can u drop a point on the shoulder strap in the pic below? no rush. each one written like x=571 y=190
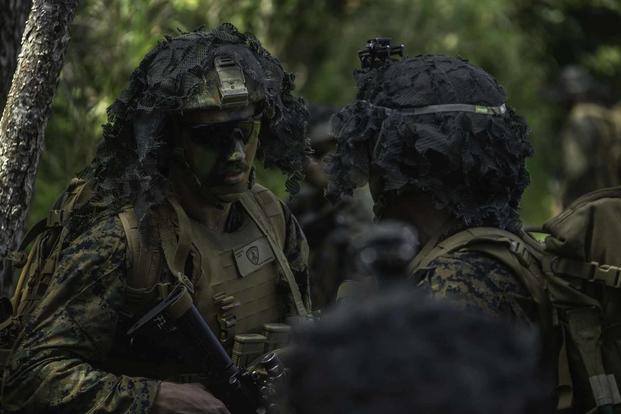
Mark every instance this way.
x=78 y=193
x=177 y=247
x=272 y=209
x=467 y=239
x=251 y=205
x=20 y=259
x=427 y=254
x=142 y=259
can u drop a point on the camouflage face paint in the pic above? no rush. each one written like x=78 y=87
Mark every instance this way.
x=221 y=155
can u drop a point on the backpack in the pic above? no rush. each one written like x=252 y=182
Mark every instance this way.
x=574 y=279
x=46 y=236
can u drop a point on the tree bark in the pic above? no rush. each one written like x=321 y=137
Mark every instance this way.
x=24 y=118
x=13 y=16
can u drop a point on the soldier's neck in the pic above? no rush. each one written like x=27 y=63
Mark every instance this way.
x=418 y=211
x=209 y=212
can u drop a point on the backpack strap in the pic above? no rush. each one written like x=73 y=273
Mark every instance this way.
x=589 y=271
x=20 y=259
x=250 y=200
x=177 y=245
x=144 y=257
x=143 y=262
x=44 y=256
x=19 y=256
x=430 y=251
x=584 y=325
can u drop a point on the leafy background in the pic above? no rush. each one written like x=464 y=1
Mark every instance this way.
x=524 y=43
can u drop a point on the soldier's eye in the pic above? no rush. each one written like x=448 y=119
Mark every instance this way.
x=198 y=133
x=246 y=128
x=204 y=134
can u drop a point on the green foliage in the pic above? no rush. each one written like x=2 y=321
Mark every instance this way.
x=318 y=41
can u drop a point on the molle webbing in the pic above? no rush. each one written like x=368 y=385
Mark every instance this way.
x=262 y=207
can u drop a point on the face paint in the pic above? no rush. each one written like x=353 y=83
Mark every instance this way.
x=221 y=156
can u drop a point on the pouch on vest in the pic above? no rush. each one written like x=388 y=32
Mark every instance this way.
x=174 y=245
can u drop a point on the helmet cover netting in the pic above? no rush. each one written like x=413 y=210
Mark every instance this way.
x=473 y=165
x=131 y=161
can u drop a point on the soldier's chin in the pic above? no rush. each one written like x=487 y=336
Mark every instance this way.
x=229 y=193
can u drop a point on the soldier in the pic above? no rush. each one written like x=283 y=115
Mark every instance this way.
x=591 y=137
x=328 y=228
x=169 y=200
x=441 y=150
x=398 y=352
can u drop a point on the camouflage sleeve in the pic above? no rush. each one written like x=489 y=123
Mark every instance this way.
x=475 y=281
x=54 y=367
x=296 y=251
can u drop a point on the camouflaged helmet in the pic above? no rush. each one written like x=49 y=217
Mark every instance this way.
x=219 y=84
x=438 y=125
x=219 y=68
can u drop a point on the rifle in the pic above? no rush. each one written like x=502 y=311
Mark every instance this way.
x=242 y=391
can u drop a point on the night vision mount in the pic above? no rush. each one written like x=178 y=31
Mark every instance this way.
x=378 y=51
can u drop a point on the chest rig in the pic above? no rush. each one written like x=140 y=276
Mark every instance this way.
x=239 y=281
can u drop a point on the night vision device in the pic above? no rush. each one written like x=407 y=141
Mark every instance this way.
x=378 y=51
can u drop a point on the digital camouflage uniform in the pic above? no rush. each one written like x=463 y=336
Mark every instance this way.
x=63 y=358
x=439 y=126
x=73 y=354
x=475 y=281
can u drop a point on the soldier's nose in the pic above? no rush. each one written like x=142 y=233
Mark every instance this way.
x=237 y=153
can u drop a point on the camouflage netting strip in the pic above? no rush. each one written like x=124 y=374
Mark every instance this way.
x=471 y=164
x=136 y=147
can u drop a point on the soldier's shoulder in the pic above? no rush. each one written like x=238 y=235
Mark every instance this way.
x=588 y=111
x=474 y=265
x=258 y=189
x=96 y=249
x=268 y=201
x=469 y=258
x=102 y=234
x=477 y=280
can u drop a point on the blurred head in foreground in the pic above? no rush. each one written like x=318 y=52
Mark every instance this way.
x=402 y=353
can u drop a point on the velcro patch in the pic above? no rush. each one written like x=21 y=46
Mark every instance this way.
x=253 y=256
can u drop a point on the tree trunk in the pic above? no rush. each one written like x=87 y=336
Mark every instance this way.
x=25 y=114
x=13 y=16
